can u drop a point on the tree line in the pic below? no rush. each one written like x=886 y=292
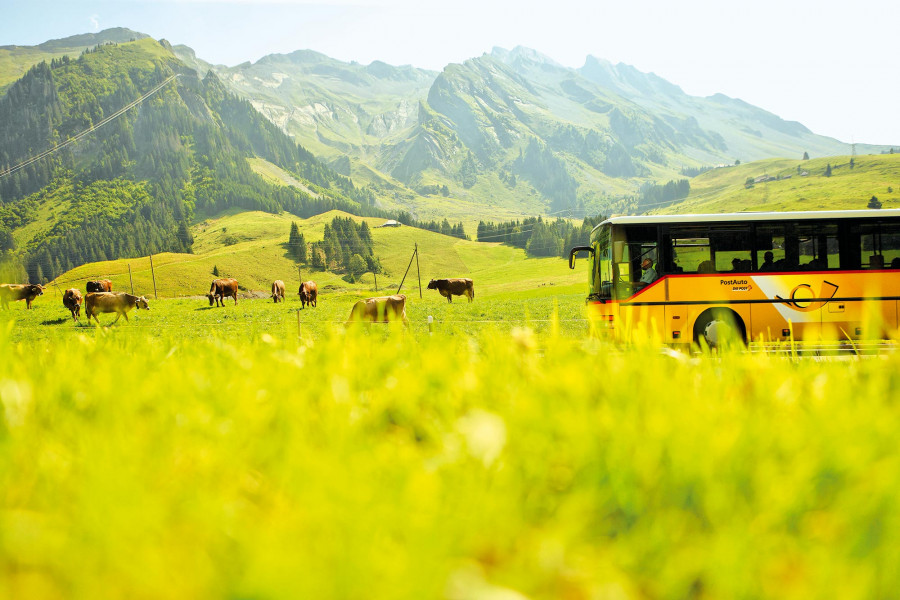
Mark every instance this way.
x=539 y=237
x=444 y=227
x=346 y=246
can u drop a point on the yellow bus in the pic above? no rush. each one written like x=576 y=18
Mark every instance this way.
x=828 y=275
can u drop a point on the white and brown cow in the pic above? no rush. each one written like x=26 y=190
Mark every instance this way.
x=278 y=291
x=19 y=291
x=458 y=286
x=108 y=302
x=382 y=309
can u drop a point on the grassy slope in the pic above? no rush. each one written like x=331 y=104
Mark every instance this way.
x=15 y=63
x=722 y=190
x=488 y=200
x=259 y=256
x=276 y=175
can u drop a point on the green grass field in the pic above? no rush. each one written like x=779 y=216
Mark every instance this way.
x=258 y=450
x=258 y=256
x=200 y=452
x=723 y=190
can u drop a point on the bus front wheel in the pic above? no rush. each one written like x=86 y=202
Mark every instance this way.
x=719 y=327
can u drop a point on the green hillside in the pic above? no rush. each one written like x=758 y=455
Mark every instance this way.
x=15 y=61
x=133 y=185
x=256 y=255
x=795 y=185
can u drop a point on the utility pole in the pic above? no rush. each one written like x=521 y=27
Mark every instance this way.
x=131 y=279
x=415 y=252
x=418 y=272
x=153 y=274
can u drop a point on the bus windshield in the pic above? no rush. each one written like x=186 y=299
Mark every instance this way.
x=601 y=274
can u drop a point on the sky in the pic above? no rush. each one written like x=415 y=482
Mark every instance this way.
x=832 y=65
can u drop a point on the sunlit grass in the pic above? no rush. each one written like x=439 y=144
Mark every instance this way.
x=210 y=453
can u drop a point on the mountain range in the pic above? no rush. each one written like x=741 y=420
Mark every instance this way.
x=512 y=128
x=505 y=135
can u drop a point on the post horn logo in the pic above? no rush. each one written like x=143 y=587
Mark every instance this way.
x=799 y=300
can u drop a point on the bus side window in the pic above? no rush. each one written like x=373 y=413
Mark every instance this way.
x=688 y=251
x=706 y=266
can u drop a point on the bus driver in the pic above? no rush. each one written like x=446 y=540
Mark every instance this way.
x=649 y=275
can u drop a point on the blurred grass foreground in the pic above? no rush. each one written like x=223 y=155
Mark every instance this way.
x=493 y=466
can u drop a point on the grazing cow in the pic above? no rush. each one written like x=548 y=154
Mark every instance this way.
x=221 y=288
x=277 y=290
x=309 y=293
x=107 y=302
x=453 y=287
x=19 y=291
x=379 y=310
x=72 y=300
x=101 y=285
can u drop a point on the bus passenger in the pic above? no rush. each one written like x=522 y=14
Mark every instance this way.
x=768 y=262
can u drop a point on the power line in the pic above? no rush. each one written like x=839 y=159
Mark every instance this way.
x=89 y=130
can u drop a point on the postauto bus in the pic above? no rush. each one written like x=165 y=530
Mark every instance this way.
x=828 y=275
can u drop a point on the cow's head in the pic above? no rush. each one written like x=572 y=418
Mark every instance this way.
x=432 y=285
x=212 y=298
x=142 y=303
x=39 y=289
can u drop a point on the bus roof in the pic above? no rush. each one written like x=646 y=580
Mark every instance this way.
x=744 y=217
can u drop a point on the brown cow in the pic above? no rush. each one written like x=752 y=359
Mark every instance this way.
x=458 y=286
x=379 y=310
x=309 y=294
x=72 y=300
x=107 y=302
x=19 y=291
x=101 y=285
x=221 y=288
x=277 y=290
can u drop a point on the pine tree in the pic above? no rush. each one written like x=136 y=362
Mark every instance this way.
x=294 y=241
x=302 y=255
x=184 y=235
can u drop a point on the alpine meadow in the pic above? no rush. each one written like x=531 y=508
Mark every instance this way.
x=458 y=411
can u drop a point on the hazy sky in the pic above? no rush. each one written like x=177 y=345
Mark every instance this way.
x=833 y=66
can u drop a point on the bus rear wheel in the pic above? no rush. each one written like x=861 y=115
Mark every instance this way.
x=719 y=328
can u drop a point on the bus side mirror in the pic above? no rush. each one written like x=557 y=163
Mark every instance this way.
x=618 y=251
x=575 y=251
